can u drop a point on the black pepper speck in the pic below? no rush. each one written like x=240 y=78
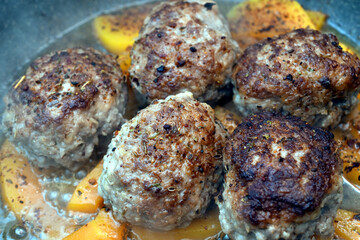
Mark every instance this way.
x=167 y=127
x=161 y=69
x=289 y=77
x=325 y=82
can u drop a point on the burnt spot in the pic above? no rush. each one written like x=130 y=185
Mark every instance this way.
x=290 y=78
x=357 y=217
x=161 y=69
x=267 y=29
x=136 y=81
x=339 y=101
x=325 y=82
x=167 y=127
x=209 y=5
x=75 y=83
x=353 y=165
x=193 y=49
x=335 y=44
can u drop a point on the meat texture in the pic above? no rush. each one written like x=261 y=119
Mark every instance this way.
x=304 y=72
x=184 y=45
x=164 y=165
x=66 y=100
x=283 y=180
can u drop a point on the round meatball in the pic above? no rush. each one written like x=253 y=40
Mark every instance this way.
x=303 y=72
x=283 y=180
x=184 y=45
x=66 y=100
x=164 y=165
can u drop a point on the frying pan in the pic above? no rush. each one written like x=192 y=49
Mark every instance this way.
x=29 y=27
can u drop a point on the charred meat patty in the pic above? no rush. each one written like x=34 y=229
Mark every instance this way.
x=66 y=100
x=184 y=45
x=304 y=72
x=283 y=180
x=164 y=165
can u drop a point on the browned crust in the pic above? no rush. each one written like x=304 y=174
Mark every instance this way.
x=200 y=150
x=276 y=189
x=327 y=73
x=168 y=161
x=173 y=64
x=91 y=72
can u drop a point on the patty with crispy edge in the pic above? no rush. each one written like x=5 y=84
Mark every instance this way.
x=304 y=72
x=283 y=180
x=165 y=164
x=184 y=45
x=67 y=99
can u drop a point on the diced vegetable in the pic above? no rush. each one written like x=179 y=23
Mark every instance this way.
x=229 y=119
x=85 y=197
x=116 y=38
x=253 y=20
x=21 y=192
x=102 y=227
x=202 y=228
x=15 y=173
x=347 y=225
x=350 y=154
x=117 y=33
x=317 y=18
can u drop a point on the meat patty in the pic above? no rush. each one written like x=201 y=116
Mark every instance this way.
x=164 y=165
x=66 y=100
x=283 y=180
x=303 y=72
x=184 y=45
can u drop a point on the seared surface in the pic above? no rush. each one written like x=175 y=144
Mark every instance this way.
x=65 y=102
x=164 y=165
x=184 y=45
x=303 y=72
x=280 y=170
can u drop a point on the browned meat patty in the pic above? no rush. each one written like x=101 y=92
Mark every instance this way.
x=164 y=165
x=303 y=72
x=67 y=99
x=283 y=180
x=184 y=45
